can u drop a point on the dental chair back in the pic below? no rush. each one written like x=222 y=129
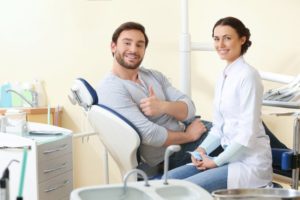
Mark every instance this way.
x=118 y=135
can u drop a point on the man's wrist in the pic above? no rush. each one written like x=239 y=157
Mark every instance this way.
x=164 y=107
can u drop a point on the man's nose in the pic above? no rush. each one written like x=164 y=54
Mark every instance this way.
x=133 y=48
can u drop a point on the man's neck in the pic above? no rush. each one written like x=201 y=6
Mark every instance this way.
x=126 y=74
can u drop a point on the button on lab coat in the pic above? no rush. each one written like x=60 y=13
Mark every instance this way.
x=237 y=118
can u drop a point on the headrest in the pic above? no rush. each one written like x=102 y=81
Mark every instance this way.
x=83 y=94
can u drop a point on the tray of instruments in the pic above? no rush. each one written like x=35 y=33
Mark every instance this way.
x=292 y=105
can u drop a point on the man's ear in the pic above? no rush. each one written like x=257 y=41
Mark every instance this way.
x=113 y=47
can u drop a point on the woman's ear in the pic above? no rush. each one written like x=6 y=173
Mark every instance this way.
x=243 y=40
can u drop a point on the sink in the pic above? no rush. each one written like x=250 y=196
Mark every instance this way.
x=174 y=190
x=181 y=190
x=177 y=193
x=109 y=193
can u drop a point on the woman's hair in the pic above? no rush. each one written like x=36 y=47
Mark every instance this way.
x=239 y=27
x=129 y=26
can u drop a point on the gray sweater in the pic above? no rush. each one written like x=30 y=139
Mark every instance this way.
x=124 y=97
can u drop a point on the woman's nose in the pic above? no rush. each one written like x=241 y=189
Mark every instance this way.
x=221 y=43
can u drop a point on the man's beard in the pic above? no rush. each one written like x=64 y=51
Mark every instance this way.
x=124 y=64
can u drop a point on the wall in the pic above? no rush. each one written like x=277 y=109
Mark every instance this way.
x=60 y=40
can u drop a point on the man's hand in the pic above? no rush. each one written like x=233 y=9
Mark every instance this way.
x=192 y=133
x=152 y=106
x=195 y=129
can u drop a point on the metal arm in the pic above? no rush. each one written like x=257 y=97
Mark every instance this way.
x=34 y=97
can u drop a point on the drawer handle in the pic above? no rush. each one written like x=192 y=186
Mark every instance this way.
x=55 y=169
x=57 y=187
x=62 y=147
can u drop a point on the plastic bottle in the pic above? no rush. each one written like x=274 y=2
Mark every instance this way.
x=5 y=96
x=41 y=94
x=0 y=95
x=3 y=189
x=16 y=101
x=27 y=93
x=6 y=178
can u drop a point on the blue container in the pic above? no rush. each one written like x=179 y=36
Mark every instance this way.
x=5 y=100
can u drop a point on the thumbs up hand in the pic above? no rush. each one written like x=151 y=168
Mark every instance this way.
x=151 y=91
x=152 y=106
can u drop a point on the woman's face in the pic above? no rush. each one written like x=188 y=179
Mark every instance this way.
x=228 y=43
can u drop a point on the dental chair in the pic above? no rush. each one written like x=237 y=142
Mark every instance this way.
x=118 y=135
x=122 y=139
x=286 y=162
x=286 y=165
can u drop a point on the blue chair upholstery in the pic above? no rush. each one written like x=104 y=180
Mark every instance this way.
x=284 y=161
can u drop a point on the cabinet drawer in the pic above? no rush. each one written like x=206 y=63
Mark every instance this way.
x=56 y=188
x=54 y=149
x=51 y=168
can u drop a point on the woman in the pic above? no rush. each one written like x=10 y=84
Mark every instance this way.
x=246 y=160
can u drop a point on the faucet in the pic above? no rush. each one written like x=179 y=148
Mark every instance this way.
x=169 y=150
x=32 y=104
x=138 y=171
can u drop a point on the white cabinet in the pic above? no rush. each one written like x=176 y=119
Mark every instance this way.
x=49 y=171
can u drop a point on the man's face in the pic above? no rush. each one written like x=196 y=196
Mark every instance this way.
x=130 y=49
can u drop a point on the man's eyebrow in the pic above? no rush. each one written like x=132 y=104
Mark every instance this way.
x=126 y=39
x=141 y=41
x=130 y=40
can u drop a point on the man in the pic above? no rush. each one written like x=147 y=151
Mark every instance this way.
x=148 y=100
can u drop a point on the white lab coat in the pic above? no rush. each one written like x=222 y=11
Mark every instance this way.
x=237 y=118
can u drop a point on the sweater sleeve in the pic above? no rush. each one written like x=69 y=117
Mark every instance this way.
x=231 y=153
x=210 y=143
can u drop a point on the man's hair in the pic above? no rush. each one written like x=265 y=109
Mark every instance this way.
x=129 y=26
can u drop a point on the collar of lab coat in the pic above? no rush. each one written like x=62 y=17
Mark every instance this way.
x=232 y=66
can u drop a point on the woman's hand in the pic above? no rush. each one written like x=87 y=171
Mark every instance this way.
x=194 y=160
x=205 y=163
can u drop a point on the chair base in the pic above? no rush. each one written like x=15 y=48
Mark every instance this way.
x=276 y=185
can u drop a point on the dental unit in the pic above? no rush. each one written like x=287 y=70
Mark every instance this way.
x=34 y=94
x=171 y=149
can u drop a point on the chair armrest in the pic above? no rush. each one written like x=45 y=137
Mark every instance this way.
x=282 y=158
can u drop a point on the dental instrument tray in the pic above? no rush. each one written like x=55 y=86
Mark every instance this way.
x=292 y=105
x=38 y=129
x=41 y=132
